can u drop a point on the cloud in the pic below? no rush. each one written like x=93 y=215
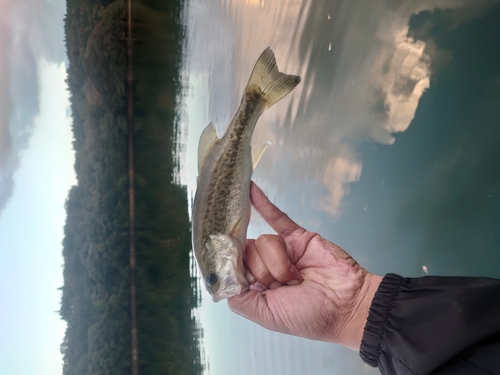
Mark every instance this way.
x=339 y=171
x=29 y=31
x=358 y=88
x=399 y=81
x=5 y=100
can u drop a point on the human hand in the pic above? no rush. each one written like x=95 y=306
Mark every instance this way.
x=303 y=285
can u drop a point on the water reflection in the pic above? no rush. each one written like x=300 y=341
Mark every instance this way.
x=369 y=149
x=355 y=88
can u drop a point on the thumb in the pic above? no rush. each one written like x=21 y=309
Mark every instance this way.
x=253 y=305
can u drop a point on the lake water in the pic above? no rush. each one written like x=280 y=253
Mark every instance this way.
x=389 y=147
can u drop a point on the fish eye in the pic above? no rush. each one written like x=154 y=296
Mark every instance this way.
x=211 y=279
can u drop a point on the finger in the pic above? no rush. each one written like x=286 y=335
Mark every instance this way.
x=256 y=266
x=271 y=250
x=276 y=218
x=250 y=278
x=267 y=309
x=253 y=305
x=295 y=236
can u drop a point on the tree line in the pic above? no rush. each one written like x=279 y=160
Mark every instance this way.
x=95 y=295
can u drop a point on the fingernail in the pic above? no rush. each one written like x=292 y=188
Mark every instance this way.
x=275 y=285
x=258 y=287
x=250 y=278
x=294 y=282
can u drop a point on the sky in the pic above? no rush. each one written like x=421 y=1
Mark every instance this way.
x=36 y=172
x=386 y=147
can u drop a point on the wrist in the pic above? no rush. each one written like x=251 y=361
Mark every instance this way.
x=354 y=327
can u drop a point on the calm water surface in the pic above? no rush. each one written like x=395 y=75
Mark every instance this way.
x=389 y=147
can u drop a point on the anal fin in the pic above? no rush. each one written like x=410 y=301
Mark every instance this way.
x=257 y=152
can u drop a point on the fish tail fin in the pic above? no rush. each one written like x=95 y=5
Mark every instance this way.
x=266 y=80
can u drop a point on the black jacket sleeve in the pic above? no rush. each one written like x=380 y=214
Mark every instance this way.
x=434 y=325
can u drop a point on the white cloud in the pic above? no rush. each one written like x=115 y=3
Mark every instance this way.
x=401 y=85
x=29 y=33
x=338 y=173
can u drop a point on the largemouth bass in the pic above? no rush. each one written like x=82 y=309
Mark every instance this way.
x=221 y=209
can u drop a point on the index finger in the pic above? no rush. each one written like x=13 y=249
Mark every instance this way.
x=277 y=219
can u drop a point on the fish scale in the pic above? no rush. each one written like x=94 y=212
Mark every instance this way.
x=221 y=209
x=220 y=189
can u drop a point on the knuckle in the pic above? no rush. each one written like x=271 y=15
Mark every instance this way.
x=283 y=274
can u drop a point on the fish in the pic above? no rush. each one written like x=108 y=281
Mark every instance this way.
x=221 y=207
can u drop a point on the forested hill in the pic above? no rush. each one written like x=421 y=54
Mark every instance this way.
x=95 y=300
x=96 y=295
x=166 y=292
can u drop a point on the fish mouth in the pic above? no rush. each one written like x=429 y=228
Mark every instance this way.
x=230 y=287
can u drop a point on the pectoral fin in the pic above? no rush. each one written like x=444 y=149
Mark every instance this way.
x=257 y=151
x=236 y=228
x=208 y=139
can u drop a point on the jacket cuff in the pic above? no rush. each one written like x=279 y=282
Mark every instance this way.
x=380 y=311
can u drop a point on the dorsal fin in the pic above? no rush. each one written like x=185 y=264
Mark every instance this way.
x=208 y=139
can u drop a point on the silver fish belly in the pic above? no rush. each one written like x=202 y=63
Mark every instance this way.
x=221 y=209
